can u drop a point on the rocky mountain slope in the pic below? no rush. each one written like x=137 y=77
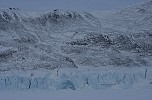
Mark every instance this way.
x=35 y=40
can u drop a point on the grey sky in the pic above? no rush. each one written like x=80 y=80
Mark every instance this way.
x=81 y=5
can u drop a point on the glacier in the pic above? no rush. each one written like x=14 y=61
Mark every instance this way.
x=75 y=79
x=58 y=49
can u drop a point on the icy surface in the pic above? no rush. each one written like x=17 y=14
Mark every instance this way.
x=74 y=79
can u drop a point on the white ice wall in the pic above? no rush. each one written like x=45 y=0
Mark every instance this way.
x=96 y=78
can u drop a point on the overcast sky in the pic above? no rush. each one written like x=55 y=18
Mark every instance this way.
x=80 y=5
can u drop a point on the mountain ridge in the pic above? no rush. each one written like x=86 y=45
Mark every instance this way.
x=65 y=38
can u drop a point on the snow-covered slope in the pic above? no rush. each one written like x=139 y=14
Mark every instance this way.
x=34 y=40
x=59 y=39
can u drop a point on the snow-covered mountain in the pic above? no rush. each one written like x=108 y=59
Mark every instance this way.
x=87 y=43
x=35 y=40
